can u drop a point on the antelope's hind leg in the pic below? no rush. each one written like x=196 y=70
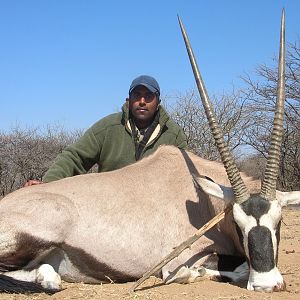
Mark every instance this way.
x=32 y=224
x=44 y=275
x=21 y=265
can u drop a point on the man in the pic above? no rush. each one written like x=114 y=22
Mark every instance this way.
x=122 y=138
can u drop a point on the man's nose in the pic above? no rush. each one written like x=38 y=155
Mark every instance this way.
x=142 y=100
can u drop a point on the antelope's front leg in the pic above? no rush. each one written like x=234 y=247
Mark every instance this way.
x=184 y=274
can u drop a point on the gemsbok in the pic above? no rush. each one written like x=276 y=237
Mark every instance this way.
x=115 y=226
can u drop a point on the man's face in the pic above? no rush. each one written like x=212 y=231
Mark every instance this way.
x=143 y=105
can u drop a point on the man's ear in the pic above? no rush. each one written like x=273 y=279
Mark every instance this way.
x=158 y=102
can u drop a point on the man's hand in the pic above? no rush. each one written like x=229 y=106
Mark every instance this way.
x=32 y=182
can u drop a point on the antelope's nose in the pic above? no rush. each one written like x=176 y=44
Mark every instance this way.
x=279 y=287
x=268 y=289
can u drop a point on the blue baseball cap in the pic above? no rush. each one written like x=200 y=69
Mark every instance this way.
x=147 y=81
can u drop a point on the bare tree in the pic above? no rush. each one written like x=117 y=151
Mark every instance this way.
x=28 y=153
x=189 y=114
x=261 y=96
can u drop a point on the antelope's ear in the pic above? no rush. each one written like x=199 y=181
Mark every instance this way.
x=288 y=198
x=213 y=189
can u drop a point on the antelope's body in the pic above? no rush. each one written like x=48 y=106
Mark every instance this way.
x=118 y=224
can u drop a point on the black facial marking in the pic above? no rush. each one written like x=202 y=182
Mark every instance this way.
x=256 y=207
x=277 y=234
x=240 y=235
x=261 y=250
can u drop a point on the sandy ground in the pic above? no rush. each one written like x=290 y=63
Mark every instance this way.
x=289 y=264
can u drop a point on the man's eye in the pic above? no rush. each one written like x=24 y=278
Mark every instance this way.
x=135 y=95
x=149 y=96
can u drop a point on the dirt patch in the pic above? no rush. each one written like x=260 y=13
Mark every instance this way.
x=289 y=265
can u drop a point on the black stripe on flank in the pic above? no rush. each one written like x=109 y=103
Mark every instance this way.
x=261 y=250
x=29 y=247
x=90 y=266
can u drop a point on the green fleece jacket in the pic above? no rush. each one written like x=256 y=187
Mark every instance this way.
x=110 y=144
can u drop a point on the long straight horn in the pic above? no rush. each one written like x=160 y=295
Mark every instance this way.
x=239 y=188
x=268 y=189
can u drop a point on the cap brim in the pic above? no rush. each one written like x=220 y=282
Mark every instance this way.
x=149 y=87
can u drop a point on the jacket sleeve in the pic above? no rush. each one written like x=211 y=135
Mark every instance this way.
x=75 y=159
x=181 y=139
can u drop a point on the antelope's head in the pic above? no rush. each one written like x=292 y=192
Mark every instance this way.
x=257 y=216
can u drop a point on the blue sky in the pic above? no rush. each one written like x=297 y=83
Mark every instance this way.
x=71 y=62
